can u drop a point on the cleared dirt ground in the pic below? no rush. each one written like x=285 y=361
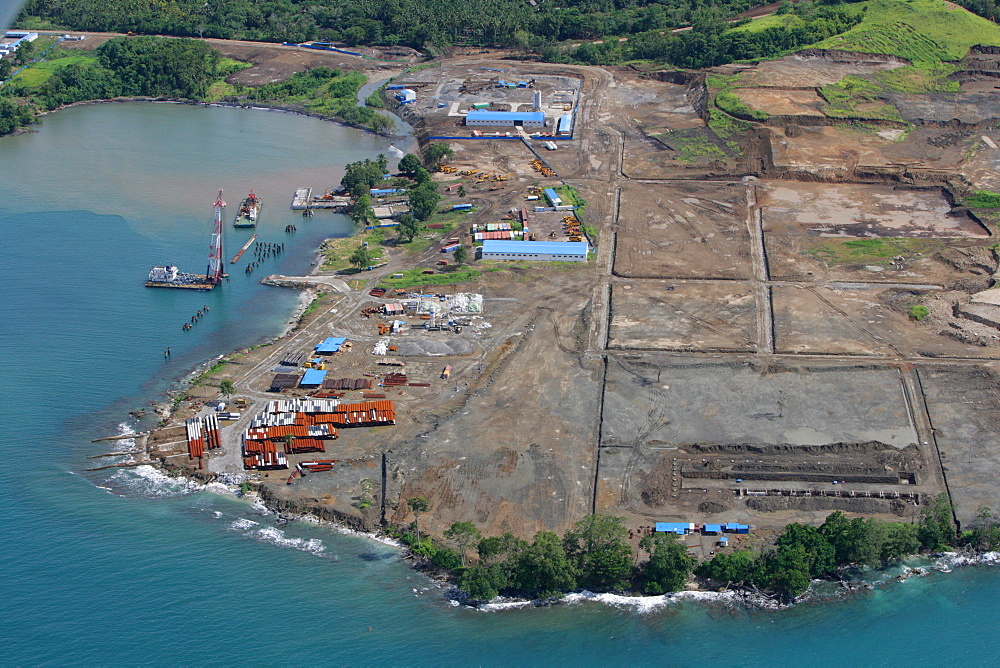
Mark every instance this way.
x=683 y=316
x=964 y=404
x=857 y=319
x=862 y=211
x=810 y=71
x=683 y=230
x=669 y=401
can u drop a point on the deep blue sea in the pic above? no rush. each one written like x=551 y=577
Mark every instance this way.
x=123 y=568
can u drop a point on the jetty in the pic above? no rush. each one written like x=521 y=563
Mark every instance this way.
x=120 y=437
x=304 y=200
x=244 y=249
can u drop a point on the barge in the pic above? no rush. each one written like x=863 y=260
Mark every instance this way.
x=168 y=276
x=249 y=211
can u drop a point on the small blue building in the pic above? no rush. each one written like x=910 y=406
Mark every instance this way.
x=679 y=528
x=553 y=197
x=330 y=346
x=733 y=527
x=712 y=529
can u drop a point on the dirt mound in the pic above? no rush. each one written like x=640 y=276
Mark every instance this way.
x=770 y=504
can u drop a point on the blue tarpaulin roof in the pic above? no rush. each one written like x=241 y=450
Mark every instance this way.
x=313 y=377
x=480 y=115
x=674 y=527
x=537 y=247
x=331 y=345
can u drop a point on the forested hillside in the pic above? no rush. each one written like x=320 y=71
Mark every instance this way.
x=416 y=23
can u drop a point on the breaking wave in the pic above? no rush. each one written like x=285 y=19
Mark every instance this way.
x=275 y=536
x=150 y=482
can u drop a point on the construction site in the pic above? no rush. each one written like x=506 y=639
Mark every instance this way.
x=744 y=343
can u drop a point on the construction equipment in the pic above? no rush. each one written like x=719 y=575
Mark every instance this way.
x=447 y=169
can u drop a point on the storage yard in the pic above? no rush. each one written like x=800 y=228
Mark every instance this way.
x=738 y=347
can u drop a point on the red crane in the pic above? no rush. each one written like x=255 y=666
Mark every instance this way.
x=214 y=273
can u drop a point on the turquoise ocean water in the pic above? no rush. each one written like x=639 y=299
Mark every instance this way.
x=122 y=568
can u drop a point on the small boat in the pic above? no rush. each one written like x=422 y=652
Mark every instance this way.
x=247 y=214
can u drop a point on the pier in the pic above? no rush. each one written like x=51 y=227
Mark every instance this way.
x=303 y=199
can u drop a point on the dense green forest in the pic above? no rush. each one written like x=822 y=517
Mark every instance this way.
x=549 y=31
x=144 y=66
x=417 y=23
x=595 y=555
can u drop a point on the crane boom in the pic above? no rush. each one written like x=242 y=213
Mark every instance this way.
x=214 y=273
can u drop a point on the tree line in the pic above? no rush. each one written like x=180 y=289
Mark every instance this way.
x=594 y=555
x=143 y=66
x=711 y=41
x=417 y=23
x=177 y=68
x=429 y=24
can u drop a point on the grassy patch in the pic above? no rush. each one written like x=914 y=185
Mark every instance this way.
x=724 y=125
x=772 y=21
x=720 y=122
x=693 y=149
x=983 y=199
x=336 y=251
x=415 y=277
x=229 y=66
x=871 y=251
x=920 y=78
x=926 y=31
x=219 y=91
x=570 y=195
x=845 y=98
x=919 y=312
x=730 y=103
x=424 y=66
x=37 y=73
x=444 y=223
x=314 y=304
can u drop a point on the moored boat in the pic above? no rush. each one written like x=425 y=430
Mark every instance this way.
x=249 y=211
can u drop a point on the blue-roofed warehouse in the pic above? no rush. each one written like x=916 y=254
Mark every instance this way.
x=733 y=527
x=679 y=528
x=528 y=119
x=553 y=197
x=541 y=251
x=312 y=378
x=712 y=529
x=331 y=345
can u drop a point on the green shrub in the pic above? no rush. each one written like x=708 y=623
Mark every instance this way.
x=919 y=312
